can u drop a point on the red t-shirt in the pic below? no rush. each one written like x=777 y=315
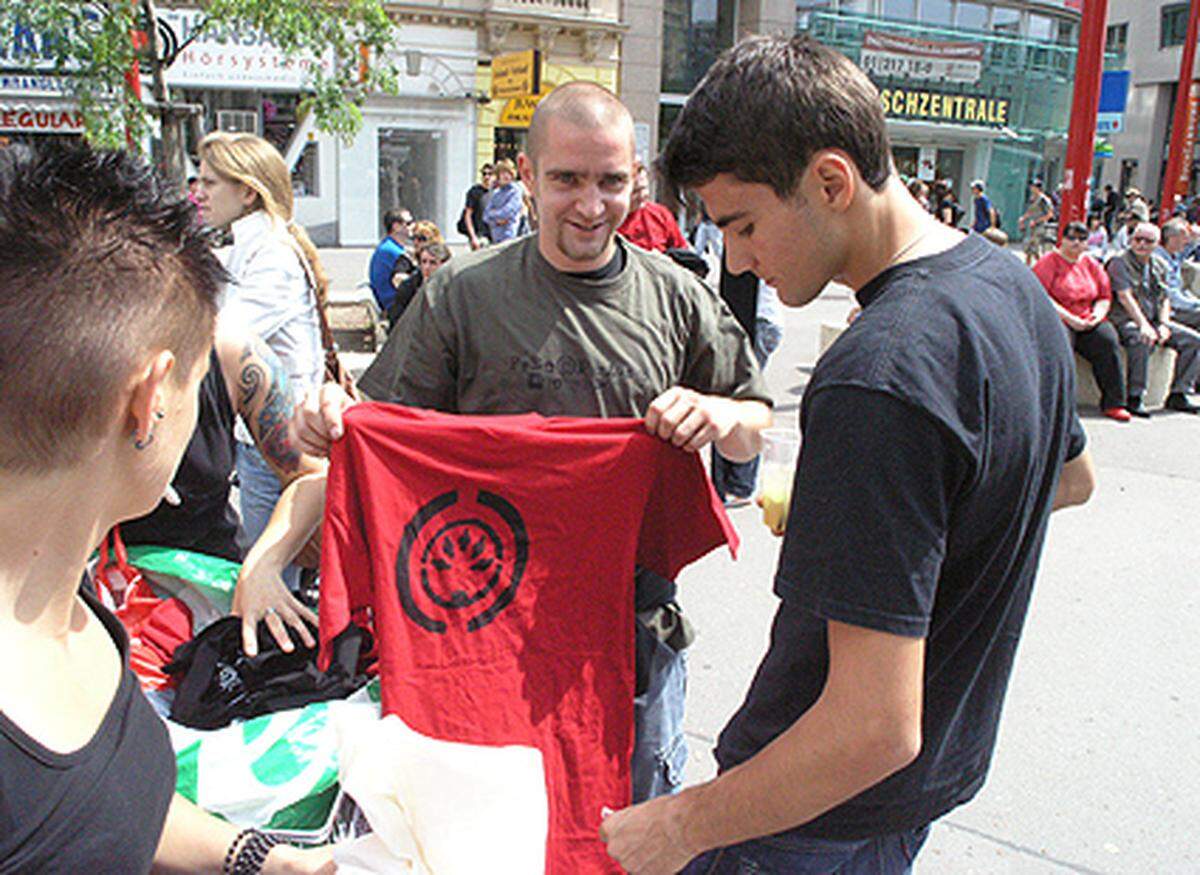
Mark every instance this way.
x=496 y=555
x=651 y=226
x=1076 y=287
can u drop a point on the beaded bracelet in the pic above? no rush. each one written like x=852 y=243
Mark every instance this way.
x=248 y=859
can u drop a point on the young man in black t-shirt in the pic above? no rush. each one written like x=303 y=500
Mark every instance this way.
x=939 y=433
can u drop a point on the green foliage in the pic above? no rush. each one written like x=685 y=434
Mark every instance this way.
x=91 y=47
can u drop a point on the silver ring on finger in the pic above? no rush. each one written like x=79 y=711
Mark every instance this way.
x=271 y=612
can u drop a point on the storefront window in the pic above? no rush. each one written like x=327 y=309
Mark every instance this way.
x=272 y=115
x=407 y=171
x=1041 y=27
x=939 y=12
x=1173 y=27
x=805 y=8
x=1006 y=20
x=695 y=32
x=971 y=15
x=904 y=10
x=1117 y=37
x=305 y=175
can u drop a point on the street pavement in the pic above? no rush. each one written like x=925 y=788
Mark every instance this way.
x=1097 y=769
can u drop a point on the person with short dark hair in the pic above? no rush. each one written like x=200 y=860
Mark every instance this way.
x=472 y=222
x=94 y=418
x=388 y=254
x=1037 y=216
x=985 y=213
x=1079 y=289
x=939 y=432
x=1112 y=206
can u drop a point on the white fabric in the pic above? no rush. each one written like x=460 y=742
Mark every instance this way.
x=440 y=807
x=272 y=294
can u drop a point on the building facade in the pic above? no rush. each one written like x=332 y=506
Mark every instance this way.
x=418 y=148
x=972 y=90
x=1151 y=34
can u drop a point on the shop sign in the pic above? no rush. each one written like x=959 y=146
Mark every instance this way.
x=231 y=57
x=31 y=83
x=1114 y=92
x=227 y=57
x=518 y=74
x=936 y=106
x=905 y=57
x=32 y=120
x=518 y=111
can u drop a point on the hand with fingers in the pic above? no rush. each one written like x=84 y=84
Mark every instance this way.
x=262 y=595
x=689 y=419
x=317 y=422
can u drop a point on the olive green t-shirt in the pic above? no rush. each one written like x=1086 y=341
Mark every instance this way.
x=502 y=331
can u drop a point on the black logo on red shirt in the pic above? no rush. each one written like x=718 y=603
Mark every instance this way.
x=461 y=561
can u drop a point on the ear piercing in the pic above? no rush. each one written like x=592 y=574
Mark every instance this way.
x=139 y=443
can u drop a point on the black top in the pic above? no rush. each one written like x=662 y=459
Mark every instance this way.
x=204 y=520
x=99 y=809
x=475 y=202
x=934 y=431
x=740 y=292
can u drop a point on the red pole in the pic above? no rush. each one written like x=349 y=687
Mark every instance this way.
x=133 y=76
x=1081 y=138
x=1183 y=122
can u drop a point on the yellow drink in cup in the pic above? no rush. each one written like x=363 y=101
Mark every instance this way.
x=781 y=448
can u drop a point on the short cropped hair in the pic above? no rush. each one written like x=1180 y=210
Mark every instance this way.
x=391 y=218
x=767 y=106
x=1174 y=228
x=582 y=104
x=102 y=263
x=1076 y=228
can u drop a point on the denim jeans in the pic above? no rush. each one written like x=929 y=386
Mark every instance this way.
x=787 y=855
x=659 y=749
x=259 y=491
x=737 y=479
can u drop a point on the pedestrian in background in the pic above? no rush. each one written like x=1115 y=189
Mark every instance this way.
x=506 y=204
x=389 y=254
x=471 y=222
x=276 y=286
x=985 y=213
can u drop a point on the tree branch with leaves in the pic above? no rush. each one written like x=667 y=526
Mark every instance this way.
x=93 y=47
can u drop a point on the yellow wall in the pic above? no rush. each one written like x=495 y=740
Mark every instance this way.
x=552 y=75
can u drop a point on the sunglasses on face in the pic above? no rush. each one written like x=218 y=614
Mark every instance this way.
x=1144 y=240
x=1076 y=238
x=420 y=238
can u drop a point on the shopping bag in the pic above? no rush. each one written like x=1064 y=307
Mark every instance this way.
x=277 y=772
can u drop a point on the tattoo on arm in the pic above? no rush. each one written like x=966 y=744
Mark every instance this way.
x=265 y=402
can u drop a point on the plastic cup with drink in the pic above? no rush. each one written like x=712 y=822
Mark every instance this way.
x=781 y=449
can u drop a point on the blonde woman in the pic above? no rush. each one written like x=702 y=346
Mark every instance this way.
x=276 y=284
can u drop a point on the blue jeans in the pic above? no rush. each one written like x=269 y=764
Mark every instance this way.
x=788 y=855
x=259 y=491
x=659 y=750
x=737 y=478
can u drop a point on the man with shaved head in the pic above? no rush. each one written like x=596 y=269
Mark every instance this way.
x=574 y=321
